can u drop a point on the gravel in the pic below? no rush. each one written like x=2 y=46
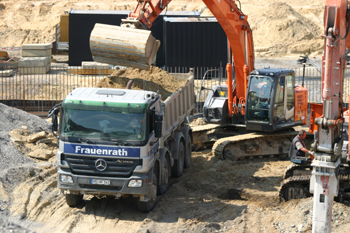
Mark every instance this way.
x=6 y=226
x=10 y=119
x=13 y=164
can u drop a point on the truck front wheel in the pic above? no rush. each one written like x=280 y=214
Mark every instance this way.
x=73 y=200
x=178 y=168
x=152 y=194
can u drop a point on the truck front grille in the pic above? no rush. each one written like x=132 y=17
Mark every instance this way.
x=84 y=165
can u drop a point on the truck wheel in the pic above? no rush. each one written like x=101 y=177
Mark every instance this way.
x=152 y=193
x=188 y=151
x=178 y=168
x=164 y=179
x=73 y=200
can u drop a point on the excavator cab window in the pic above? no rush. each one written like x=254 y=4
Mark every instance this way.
x=284 y=100
x=258 y=104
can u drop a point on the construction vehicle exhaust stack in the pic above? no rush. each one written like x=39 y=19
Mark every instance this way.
x=121 y=46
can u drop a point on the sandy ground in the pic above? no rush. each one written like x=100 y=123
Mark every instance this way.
x=212 y=196
x=280 y=27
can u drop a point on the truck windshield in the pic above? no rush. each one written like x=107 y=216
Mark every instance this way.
x=92 y=126
x=259 y=93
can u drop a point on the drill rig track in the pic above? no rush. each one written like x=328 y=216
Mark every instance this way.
x=297 y=183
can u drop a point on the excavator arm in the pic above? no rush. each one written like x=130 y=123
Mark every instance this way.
x=130 y=46
x=146 y=13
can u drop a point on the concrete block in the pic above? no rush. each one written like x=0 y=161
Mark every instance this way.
x=36 y=50
x=6 y=73
x=34 y=61
x=36 y=46
x=94 y=65
x=91 y=67
x=35 y=70
x=36 y=53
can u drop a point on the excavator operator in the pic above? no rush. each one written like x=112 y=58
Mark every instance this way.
x=297 y=151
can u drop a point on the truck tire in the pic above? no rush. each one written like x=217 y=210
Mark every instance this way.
x=164 y=178
x=178 y=168
x=73 y=200
x=188 y=152
x=150 y=204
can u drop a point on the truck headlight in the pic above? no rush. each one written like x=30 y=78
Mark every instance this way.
x=135 y=183
x=66 y=179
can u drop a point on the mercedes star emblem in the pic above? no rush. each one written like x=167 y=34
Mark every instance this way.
x=101 y=165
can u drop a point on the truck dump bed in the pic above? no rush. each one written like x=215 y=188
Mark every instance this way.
x=179 y=105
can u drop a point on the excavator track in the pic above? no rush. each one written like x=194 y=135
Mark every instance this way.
x=236 y=143
x=253 y=145
x=297 y=183
x=204 y=136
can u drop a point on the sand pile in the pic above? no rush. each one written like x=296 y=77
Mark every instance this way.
x=280 y=27
x=286 y=31
x=156 y=80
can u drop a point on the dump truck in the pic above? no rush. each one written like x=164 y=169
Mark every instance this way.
x=117 y=142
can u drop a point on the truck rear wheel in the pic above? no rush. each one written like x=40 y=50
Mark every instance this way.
x=188 y=153
x=152 y=193
x=73 y=200
x=178 y=168
x=164 y=179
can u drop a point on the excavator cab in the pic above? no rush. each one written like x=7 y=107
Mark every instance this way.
x=271 y=100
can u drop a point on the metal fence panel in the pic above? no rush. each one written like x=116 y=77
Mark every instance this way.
x=21 y=88
x=33 y=90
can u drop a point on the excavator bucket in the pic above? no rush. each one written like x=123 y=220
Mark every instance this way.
x=123 y=46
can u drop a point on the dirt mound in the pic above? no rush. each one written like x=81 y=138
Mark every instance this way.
x=283 y=27
x=285 y=31
x=156 y=80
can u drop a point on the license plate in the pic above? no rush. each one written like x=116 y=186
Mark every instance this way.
x=100 y=182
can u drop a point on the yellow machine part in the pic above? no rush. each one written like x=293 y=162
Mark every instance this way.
x=4 y=55
x=64 y=28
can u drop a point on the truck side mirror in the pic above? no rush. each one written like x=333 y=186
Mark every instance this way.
x=158 y=126
x=54 y=120
x=53 y=112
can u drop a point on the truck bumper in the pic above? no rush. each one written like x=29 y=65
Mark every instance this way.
x=117 y=187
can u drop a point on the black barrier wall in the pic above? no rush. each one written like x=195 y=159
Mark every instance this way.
x=81 y=23
x=194 y=42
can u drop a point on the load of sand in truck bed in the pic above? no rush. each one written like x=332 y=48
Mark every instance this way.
x=156 y=80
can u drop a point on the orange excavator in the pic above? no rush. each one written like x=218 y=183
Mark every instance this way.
x=265 y=100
